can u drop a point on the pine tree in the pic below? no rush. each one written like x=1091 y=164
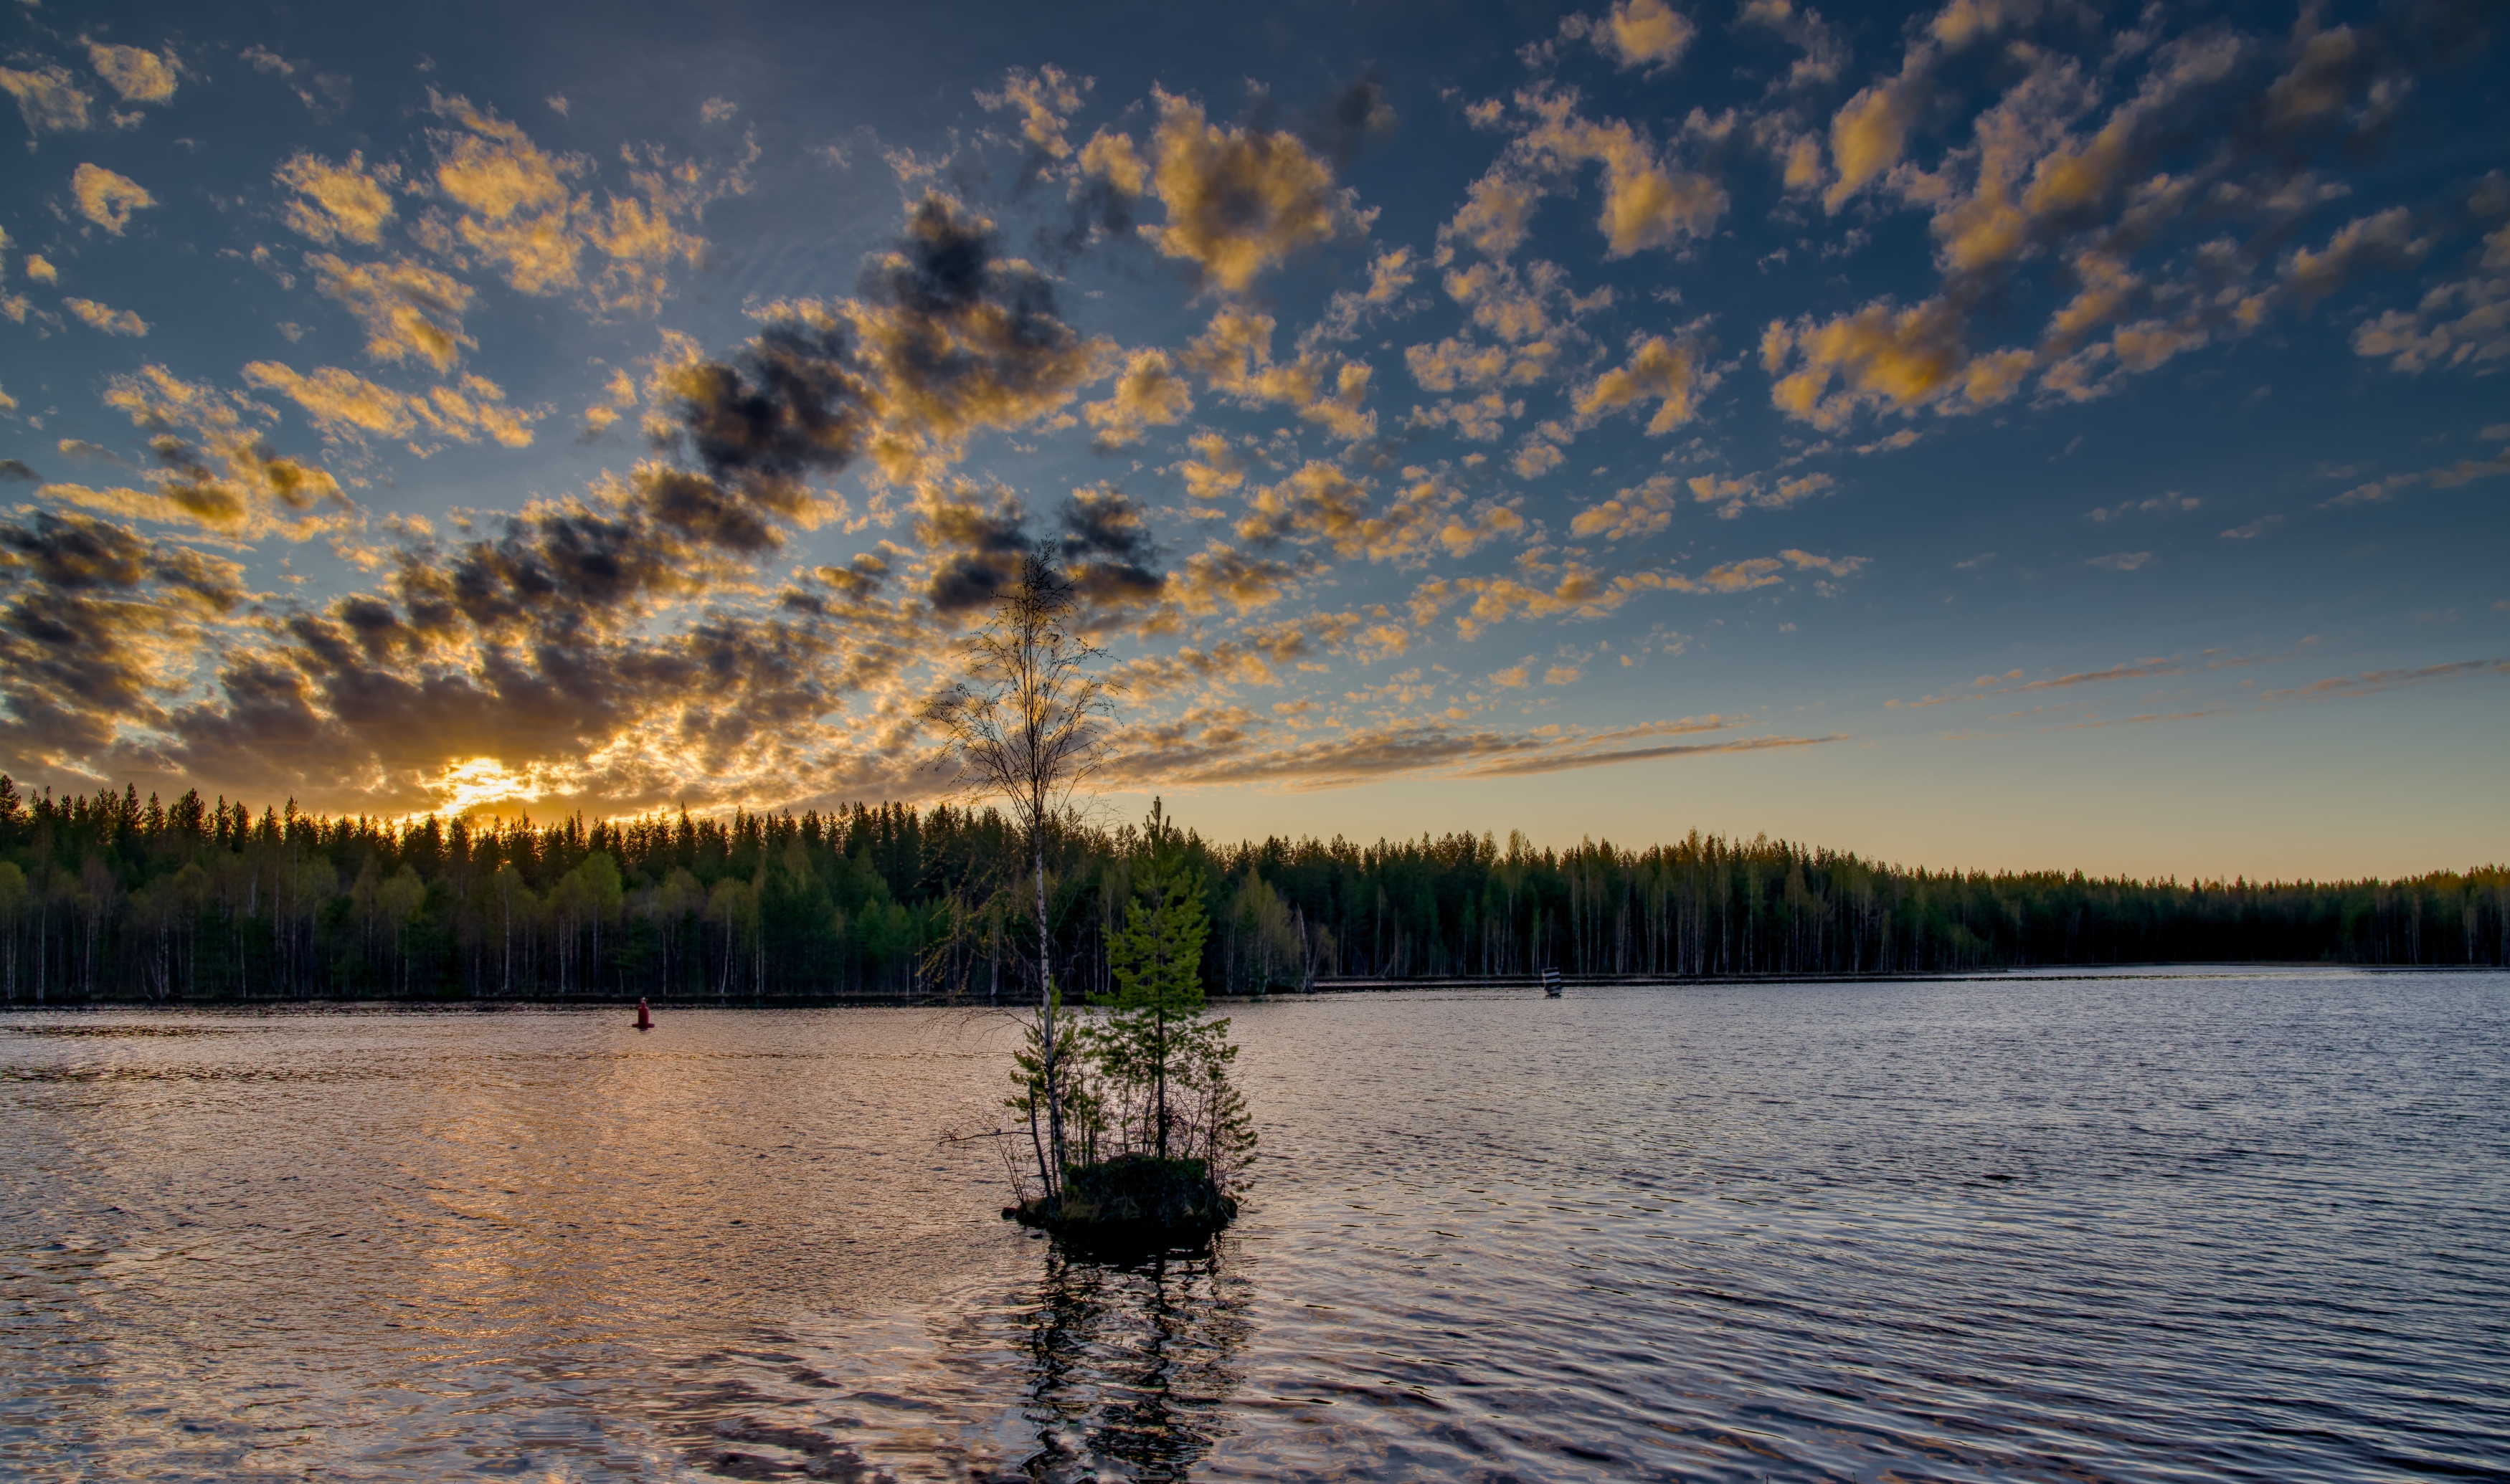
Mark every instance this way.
x=1156 y=959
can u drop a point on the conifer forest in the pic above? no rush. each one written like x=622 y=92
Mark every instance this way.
x=111 y=897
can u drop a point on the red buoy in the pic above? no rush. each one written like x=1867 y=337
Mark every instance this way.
x=644 y=1020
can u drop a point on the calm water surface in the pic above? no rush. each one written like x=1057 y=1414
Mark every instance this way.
x=2127 y=1227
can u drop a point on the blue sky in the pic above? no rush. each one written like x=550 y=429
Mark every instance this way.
x=2009 y=435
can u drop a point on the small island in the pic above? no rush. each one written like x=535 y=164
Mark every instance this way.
x=1150 y=1126
x=1131 y=1117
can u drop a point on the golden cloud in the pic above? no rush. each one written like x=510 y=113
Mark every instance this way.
x=1647 y=204
x=1044 y=100
x=1240 y=200
x=1645 y=33
x=1149 y=393
x=519 y=214
x=112 y=322
x=139 y=75
x=344 y=405
x=50 y=101
x=1657 y=369
x=218 y=469
x=108 y=199
x=1235 y=355
x=341 y=200
x=407 y=309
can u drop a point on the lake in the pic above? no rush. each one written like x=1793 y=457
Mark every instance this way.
x=2141 y=1225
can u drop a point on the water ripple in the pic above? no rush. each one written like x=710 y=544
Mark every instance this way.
x=2123 y=1227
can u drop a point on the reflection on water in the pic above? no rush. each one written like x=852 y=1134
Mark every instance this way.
x=1087 y=1371
x=1130 y=1364
x=2137 y=1227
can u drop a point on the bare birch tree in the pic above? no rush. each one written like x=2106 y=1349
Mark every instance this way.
x=1030 y=723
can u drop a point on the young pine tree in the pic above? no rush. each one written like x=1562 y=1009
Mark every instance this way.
x=1156 y=959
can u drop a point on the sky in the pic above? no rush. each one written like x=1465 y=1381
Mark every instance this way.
x=2018 y=436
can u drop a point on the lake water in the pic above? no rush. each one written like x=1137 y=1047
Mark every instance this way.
x=2136 y=1226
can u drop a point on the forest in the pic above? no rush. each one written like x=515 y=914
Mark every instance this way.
x=109 y=897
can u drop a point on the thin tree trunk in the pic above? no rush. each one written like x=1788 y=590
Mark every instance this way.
x=1045 y=1008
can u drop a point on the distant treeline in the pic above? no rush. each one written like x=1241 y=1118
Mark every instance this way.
x=112 y=898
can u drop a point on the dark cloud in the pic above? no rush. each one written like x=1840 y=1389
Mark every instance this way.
x=790 y=404
x=91 y=610
x=17 y=471
x=957 y=337
x=979 y=549
x=1353 y=118
x=1106 y=544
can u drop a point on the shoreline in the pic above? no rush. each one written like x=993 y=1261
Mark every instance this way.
x=2052 y=973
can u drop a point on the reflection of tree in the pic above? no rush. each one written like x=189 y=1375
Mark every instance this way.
x=1129 y=1363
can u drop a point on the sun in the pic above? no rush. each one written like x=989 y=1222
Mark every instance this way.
x=477 y=782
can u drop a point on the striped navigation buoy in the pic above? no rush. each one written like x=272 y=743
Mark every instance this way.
x=1551 y=984
x=644 y=1018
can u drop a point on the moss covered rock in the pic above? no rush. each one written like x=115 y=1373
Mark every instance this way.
x=1136 y=1201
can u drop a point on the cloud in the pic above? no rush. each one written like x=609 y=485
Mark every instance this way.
x=1317 y=502
x=975 y=547
x=955 y=337
x=2011 y=682
x=2045 y=171
x=1514 y=768
x=1235 y=355
x=408 y=310
x=140 y=76
x=1356 y=113
x=1223 y=575
x=1824 y=56
x=1459 y=362
x=214 y=467
x=2373 y=682
x=1478 y=420
x=344 y=405
x=112 y=322
x=1640 y=510
x=1658 y=370
x=2120 y=561
x=1538 y=455
x=1648 y=204
x=1045 y=101
x=48 y=100
x=1734 y=496
x=2446 y=476
x=1389 y=274
x=1105 y=545
x=2462 y=321
x=519 y=214
x=1240 y=200
x=1114 y=162
x=108 y=199
x=2171 y=504
x=1580 y=591
x=1871 y=130
x=1167 y=756
x=1882 y=357
x=1521 y=304
x=1645 y=33
x=341 y=200
x=98 y=627
x=1148 y=394
x=1497 y=213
